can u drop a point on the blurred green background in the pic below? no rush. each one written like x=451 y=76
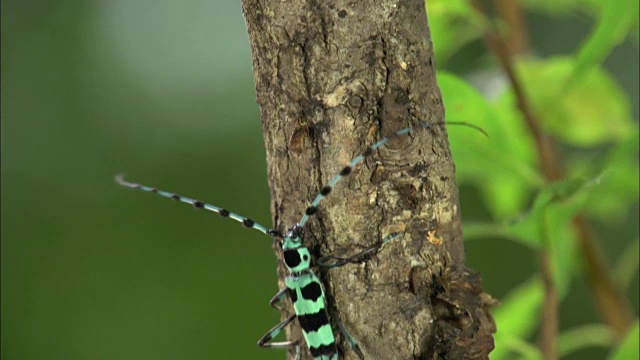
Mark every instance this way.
x=164 y=91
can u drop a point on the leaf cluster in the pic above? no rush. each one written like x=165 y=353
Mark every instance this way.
x=586 y=112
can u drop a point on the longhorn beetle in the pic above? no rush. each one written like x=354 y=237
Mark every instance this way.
x=302 y=284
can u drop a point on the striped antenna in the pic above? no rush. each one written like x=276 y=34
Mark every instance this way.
x=199 y=205
x=346 y=171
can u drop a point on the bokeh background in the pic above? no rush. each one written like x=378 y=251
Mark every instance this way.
x=163 y=90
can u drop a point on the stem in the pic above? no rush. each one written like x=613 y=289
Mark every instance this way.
x=549 y=330
x=613 y=306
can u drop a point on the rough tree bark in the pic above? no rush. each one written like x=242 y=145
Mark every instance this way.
x=333 y=76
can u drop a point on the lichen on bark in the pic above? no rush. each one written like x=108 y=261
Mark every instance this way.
x=332 y=77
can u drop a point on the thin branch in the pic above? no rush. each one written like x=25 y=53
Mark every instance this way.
x=613 y=306
x=551 y=170
x=517 y=41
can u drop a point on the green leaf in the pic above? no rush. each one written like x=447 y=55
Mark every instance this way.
x=506 y=195
x=453 y=24
x=584 y=336
x=548 y=225
x=611 y=200
x=555 y=7
x=517 y=317
x=531 y=226
x=482 y=230
x=524 y=349
x=629 y=349
x=561 y=246
x=626 y=267
x=595 y=112
x=617 y=19
x=503 y=166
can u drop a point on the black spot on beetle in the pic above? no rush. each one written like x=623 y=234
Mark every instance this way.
x=248 y=222
x=313 y=322
x=291 y=258
x=312 y=291
x=368 y=152
x=345 y=171
x=323 y=350
x=293 y=295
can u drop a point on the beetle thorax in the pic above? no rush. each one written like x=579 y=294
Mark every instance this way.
x=296 y=257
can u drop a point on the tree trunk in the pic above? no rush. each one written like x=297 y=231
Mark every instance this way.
x=333 y=77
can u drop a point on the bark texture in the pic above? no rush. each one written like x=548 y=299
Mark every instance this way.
x=332 y=77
